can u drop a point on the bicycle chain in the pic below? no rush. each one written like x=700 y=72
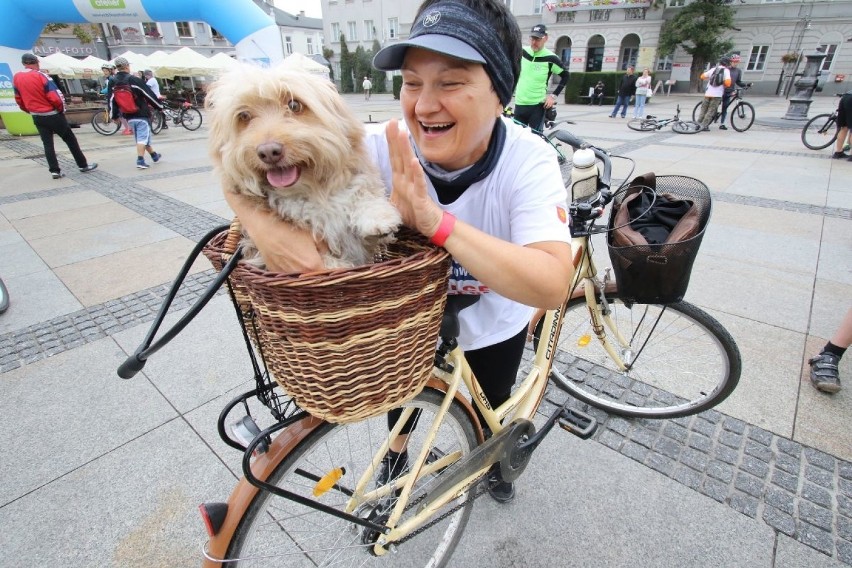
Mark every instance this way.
x=480 y=491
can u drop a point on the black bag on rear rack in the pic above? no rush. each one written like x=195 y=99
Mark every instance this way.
x=655 y=229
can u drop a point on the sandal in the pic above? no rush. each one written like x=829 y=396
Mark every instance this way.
x=825 y=374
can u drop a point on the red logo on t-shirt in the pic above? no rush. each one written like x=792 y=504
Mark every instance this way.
x=562 y=214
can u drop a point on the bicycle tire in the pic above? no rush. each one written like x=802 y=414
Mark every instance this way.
x=191 y=118
x=102 y=125
x=642 y=124
x=274 y=528
x=695 y=112
x=4 y=297
x=158 y=119
x=819 y=133
x=686 y=127
x=742 y=116
x=688 y=364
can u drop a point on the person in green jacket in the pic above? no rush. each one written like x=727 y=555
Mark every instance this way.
x=537 y=65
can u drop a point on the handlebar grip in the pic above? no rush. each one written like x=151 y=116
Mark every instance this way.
x=131 y=366
x=570 y=139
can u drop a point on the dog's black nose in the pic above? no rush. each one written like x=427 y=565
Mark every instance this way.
x=270 y=152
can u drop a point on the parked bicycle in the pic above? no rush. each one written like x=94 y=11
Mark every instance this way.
x=740 y=111
x=187 y=115
x=651 y=123
x=310 y=491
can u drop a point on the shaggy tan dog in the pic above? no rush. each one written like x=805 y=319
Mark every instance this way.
x=286 y=137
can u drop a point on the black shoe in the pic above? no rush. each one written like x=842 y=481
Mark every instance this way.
x=825 y=375
x=393 y=465
x=839 y=155
x=501 y=491
x=722 y=127
x=90 y=167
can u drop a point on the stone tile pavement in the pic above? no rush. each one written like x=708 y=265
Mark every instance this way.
x=109 y=472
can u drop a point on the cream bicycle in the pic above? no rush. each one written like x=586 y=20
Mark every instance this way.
x=311 y=493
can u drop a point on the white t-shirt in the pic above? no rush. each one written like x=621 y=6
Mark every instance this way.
x=523 y=200
x=716 y=91
x=154 y=86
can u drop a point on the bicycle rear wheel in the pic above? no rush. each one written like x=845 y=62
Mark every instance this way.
x=191 y=119
x=820 y=132
x=696 y=112
x=157 y=121
x=742 y=116
x=683 y=360
x=642 y=124
x=279 y=532
x=686 y=127
x=103 y=125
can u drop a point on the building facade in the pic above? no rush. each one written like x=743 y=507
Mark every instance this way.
x=609 y=35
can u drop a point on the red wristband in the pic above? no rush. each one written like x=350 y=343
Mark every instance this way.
x=448 y=222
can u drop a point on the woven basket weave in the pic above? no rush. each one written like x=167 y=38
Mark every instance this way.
x=346 y=344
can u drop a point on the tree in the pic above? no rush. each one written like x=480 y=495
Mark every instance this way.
x=377 y=77
x=347 y=85
x=328 y=53
x=699 y=28
x=363 y=64
x=83 y=32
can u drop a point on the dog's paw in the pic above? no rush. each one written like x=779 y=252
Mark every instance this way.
x=382 y=221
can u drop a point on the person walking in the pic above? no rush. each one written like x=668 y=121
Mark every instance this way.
x=538 y=64
x=643 y=89
x=728 y=95
x=844 y=122
x=367 y=85
x=626 y=90
x=718 y=79
x=108 y=69
x=37 y=95
x=138 y=118
x=152 y=83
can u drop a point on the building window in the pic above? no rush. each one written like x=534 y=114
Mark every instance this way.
x=393 y=28
x=150 y=29
x=664 y=63
x=310 y=46
x=676 y=3
x=335 y=32
x=215 y=33
x=830 y=50
x=353 y=31
x=565 y=17
x=634 y=14
x=757 y=58
x=599 y=16
x=537 y=4
x=369 y=30
x=628 y=57
x=594 y=59
x=288 y=45
x=183 y=29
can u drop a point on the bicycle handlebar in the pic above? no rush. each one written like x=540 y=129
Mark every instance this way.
x=605 y=177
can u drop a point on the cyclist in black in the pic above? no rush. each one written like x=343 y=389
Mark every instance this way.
x=736 y=81
x=844 y=121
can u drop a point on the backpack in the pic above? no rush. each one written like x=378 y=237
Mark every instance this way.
x=717 y=78
x=123 y=96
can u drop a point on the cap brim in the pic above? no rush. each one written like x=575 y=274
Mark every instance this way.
x=391 y=57
x=537 y=35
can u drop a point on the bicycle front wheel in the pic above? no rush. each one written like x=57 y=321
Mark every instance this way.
x=696 y=112
x=742 y=116
x=682 y=360
x=820 y=132
x=103 y=125
x=642 y=124
x=4 y=297
x=686 y=127
x=157 y=121
x=191 y=119
x=280 y=532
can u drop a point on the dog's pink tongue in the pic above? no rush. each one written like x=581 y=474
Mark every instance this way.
x=283 y=177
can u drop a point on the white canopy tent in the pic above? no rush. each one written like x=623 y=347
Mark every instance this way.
x=65 y=66
x=299 y=61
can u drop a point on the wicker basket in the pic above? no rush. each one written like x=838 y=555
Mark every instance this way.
x=347 y=344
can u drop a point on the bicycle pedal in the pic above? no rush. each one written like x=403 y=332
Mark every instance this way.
x=649 y=117
x=578 y=423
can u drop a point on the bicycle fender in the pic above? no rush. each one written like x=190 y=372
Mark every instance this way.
x=244 y=493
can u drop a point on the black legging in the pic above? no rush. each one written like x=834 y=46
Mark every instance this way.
x=47 y=126
x=495 y=367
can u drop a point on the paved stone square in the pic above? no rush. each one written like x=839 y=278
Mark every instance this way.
x=97 y=471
